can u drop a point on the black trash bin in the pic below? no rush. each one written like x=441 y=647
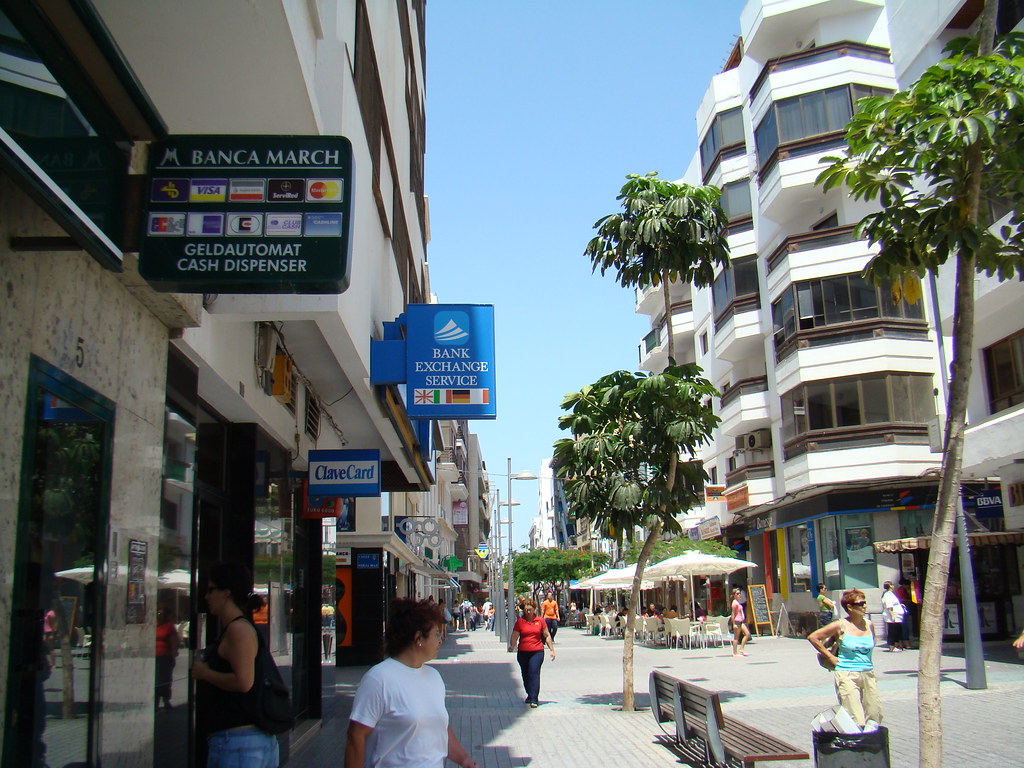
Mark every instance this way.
x=852 y=750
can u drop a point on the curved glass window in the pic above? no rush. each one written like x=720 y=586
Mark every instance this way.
x=857 y=401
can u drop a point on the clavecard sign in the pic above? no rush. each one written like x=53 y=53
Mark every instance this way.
x=340 y=472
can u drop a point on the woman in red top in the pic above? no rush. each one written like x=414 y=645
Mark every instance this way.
x=530 y=635
x=167 y=643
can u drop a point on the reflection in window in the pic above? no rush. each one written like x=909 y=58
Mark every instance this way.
x=857 y=400
x=798 y=541
x=45 y=122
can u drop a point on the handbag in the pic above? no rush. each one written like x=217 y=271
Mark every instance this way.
x=832 y=644
x=269 y=700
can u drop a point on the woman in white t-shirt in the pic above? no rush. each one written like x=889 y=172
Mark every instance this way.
x=398 y=717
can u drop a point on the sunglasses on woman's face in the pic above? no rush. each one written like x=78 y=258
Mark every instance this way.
x=860 y=604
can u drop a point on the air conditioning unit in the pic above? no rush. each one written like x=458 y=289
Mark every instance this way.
x=758 y=439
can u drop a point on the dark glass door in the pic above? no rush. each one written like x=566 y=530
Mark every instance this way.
x=57 y=610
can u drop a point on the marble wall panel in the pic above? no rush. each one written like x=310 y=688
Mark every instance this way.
x=68 y=310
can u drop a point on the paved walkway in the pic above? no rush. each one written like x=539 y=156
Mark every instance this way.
x=778 y=688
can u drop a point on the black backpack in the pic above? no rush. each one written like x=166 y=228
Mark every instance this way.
x=269 y=699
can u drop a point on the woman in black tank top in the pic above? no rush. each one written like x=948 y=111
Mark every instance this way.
x=226 y=673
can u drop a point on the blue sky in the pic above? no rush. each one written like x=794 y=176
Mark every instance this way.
x=536 y=111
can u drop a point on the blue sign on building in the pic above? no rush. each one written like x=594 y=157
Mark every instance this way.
x=344 y=473
x=446 y=360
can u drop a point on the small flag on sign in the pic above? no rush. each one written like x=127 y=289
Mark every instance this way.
x=451 y=396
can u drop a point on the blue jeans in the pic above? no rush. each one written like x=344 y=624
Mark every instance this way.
x=243 y=748
x=529 y=665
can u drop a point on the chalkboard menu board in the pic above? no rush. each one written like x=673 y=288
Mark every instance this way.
x=758 y=605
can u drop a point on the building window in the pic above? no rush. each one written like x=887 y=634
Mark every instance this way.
x=736 y=199
x=808 y=115
x=857 y=401
x=704 y=343
x=734 y=284
x=835 y=300
x=726 y=133
x=1004 y=370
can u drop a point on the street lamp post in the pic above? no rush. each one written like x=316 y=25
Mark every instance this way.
x=511 y=571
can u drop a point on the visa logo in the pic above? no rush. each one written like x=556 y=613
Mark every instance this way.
x=207 y=190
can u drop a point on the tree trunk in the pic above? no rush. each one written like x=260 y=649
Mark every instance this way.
x=631 y=611
x=937 y=578
x=668 y=319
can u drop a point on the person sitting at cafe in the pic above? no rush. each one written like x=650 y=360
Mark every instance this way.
x=671 y=613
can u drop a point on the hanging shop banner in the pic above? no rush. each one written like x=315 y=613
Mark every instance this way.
x=444 y=354
x=450 y=361
x=248 y=214
x=710 y=528
x=344 y=473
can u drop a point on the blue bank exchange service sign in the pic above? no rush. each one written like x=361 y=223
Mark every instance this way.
x=344 y=473
x=450 y=361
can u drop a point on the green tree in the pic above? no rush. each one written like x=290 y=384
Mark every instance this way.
x=934 y=156
x=623 y=467
x=666 y=232
x=549 y=567
x=666 y=549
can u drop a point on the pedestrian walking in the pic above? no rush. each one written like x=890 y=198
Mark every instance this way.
x=740 y=633
x=848 y=644
x=894 y=612
x=549 y=612
x=529 y=636
x=398 y=715
x=826 y=608
x=225 y=674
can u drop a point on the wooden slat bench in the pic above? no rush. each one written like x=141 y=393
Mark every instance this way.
x=697 y=713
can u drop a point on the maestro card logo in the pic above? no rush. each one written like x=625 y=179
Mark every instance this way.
x=451 y=328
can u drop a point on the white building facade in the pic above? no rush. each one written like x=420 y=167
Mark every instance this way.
x=827 y=387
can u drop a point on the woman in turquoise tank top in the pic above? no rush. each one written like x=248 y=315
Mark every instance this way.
x=854 y=641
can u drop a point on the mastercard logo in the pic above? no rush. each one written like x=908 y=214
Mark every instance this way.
x=324 y=189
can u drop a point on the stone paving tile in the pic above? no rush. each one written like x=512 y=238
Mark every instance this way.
x=778 y=689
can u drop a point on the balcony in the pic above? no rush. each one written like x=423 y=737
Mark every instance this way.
x=768 y=26
x=787 y=180
x=446 y=467
x=653 y=350
x=807 y=245
x=744 y=406
x=743 y=475
x=816 y=55
x=738 y=334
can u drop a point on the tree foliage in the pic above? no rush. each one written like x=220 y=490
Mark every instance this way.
x=666 y=232
x=622 y=468
x=678 y=546
x=551 y=565
x=936 y=156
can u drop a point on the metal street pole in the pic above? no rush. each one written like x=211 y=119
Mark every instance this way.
x=510 y=608
x=974 y=652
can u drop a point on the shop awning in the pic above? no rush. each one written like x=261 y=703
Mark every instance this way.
x=975 y=540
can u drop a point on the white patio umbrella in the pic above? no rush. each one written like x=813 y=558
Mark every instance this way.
x=690 y=564
x=83 y=575
x=618 y=578
x=177 y=578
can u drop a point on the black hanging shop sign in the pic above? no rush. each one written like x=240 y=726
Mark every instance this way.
x=248 y=214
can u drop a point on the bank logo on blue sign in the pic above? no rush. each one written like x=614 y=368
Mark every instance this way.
x=451 y=328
